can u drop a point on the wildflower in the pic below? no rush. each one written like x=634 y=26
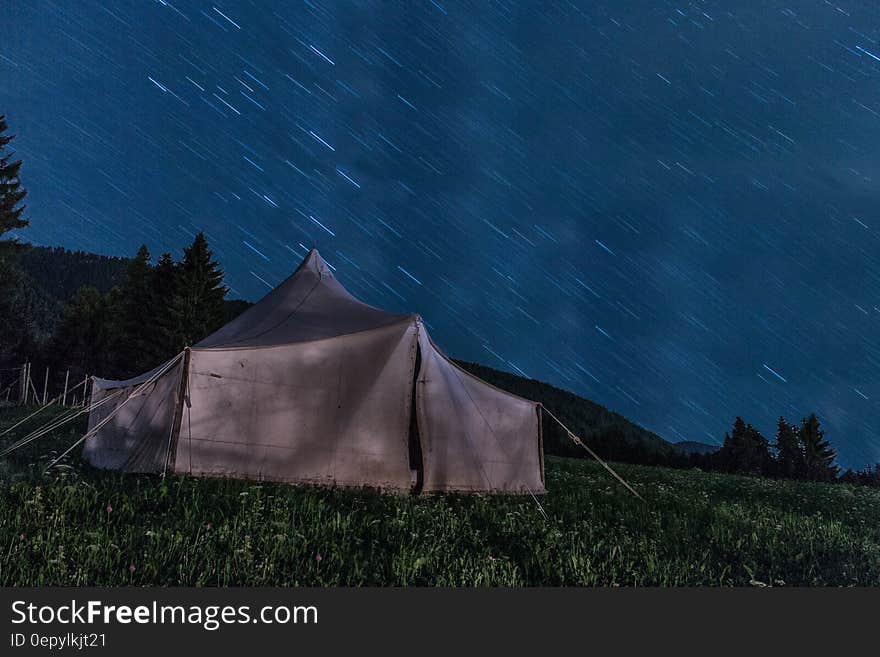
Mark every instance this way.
x=209 y=526
x=21 y=537
x=318 y=557
x=131 y=568
x=247 y=537
x=491 y=558
x=109 y=509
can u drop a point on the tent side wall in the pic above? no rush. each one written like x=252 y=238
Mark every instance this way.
x=137 y=436
x=475 y=437
x=333 y=412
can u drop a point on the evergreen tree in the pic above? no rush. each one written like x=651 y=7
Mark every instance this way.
x=163 y=329
x=198 y=304
x=728 y=456
x=134 y=316
x=818 y=454
x=17 y=337
x=789 y=455
x=82 y=339
x=27 y=315
x=850 y=477
x=745 y=450
x=11 y=191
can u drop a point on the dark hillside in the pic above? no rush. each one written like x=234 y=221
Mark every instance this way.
x=609 y=433
x=62 y=272
x=696 y=447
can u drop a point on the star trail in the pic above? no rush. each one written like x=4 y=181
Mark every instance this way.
x=669 y=208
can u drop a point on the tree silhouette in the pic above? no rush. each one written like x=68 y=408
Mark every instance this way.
x=745 y=450
x=134 y=315
x=163 y=329
x=11 y=191
x=818 y=454
x=82 y=339
x=789 y=454
x=198 y=303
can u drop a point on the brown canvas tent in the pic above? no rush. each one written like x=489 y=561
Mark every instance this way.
x=310 y=385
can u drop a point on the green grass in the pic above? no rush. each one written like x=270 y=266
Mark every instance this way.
x=695 y=528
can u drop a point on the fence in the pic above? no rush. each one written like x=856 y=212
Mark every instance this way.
x=21 y=385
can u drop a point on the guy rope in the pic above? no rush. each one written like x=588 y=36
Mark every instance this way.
x=40 y=409
x=76 y=412
x=577 y=441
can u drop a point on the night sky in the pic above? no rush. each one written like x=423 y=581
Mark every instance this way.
x=670 y=209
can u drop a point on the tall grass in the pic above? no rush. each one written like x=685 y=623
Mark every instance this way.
x=77 y=526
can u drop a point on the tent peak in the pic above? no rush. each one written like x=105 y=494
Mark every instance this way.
x=315 y=262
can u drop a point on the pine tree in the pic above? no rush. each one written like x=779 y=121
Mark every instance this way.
x=11 y=191
x=16 y=320
x=198 y=303
x=760 y=460
x=163 y=329
x=81 y=341
x=850 y=477
x=745 y=450
x=789 y=455
x=27 y=314
x=818 y=454
x=134 y=314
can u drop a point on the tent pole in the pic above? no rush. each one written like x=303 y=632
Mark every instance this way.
x=64 y=396
x=45 y=387
x=177 y=421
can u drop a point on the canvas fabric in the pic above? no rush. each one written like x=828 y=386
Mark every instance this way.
x=333 y=411
x=310 y=305
x=474 y=436
x=137 y=436
x=310 y=385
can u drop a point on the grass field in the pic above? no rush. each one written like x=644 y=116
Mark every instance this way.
x=77 y=526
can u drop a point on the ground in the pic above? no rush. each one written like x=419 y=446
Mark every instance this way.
x=78 y=526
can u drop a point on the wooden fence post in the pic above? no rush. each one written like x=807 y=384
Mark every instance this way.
x=32 y=386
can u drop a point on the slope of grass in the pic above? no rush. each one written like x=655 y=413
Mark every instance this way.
x=77 y=526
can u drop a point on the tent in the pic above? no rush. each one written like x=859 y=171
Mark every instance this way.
x=310 y=385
